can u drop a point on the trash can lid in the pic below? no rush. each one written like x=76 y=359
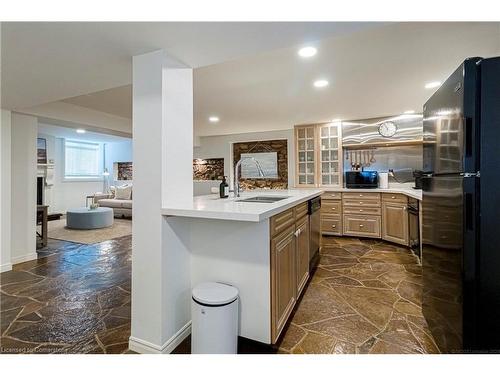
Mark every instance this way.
x=214 y=293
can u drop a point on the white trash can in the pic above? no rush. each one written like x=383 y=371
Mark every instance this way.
x=214 y=315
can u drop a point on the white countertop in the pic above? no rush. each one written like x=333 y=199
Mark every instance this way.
x=213 y=207
x=396 y=188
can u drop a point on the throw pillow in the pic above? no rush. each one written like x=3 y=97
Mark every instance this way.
x=123 y=192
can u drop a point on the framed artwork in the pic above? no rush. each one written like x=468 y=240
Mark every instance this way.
x=41 y=150
x=268 y=162
x=122 y=171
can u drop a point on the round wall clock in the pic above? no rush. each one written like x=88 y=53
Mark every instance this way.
x=387 y=129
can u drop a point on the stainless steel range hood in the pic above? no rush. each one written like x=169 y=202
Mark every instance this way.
x=365 y=133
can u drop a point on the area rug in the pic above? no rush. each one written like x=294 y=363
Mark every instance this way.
x=58 y=231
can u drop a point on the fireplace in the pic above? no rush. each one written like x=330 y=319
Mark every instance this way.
x=40 y=190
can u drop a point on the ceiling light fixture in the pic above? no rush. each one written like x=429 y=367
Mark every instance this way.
x=337 y=120
x=409 y=112
x=81 y=131
x=307 y=52
x=320 y=83
x=213 y=119
x=432 y=85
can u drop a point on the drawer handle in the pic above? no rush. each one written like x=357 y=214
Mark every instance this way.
x=360 y=202
x=360 y=210
x=393 y=197
x=333 y=208
x=361 y=225
x=360 y=195
x=334 y=226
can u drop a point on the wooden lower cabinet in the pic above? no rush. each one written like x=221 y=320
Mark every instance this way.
x=283 y=280
x=331 y=224
x=362 y=225
x=375 y=215
x=289 y=266
x=395 y=222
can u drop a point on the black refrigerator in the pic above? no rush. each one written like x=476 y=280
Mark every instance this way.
x=461 y=209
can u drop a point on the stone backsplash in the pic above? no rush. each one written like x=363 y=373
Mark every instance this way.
x=280 y=146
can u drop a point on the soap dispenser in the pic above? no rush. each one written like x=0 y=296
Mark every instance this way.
x=224 y=188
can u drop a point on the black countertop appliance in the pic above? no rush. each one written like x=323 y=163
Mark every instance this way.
x=361 y=179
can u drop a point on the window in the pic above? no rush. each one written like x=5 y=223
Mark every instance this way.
x=82 y=160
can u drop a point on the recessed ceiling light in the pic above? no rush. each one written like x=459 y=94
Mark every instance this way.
x=320 y=83
x=337 y=120
x=81 y=131
x=213 y=119
x=307 y=52
x=409 y=112
x=432 y=85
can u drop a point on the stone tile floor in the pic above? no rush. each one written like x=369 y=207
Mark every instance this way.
x=365 y=297
x=73 y=299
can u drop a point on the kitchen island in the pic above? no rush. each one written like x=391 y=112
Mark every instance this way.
x=261 y=248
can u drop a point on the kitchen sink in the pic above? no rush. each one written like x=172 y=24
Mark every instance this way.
x=262 y=199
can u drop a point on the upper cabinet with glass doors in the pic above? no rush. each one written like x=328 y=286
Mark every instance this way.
x=318 y=155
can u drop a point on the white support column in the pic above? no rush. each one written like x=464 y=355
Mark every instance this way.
x=5 y=198
x=23 y=187
x=163 y=153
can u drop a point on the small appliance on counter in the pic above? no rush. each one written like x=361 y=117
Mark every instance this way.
x=361 y=179
x=383 y=180
x=418 y=179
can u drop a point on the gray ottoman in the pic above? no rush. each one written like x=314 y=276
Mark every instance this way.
x=85 y=218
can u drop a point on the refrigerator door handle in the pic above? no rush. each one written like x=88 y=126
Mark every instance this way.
x=469 y=175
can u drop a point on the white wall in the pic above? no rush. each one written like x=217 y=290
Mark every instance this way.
x=220 y=146
x=64 y=194
x=23 y=188
x=5 y=191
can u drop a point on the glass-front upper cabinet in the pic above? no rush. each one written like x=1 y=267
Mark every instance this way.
x=318 y=155
x=330 y=158
x=306 y=155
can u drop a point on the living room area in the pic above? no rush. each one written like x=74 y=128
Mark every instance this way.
x=84 y=185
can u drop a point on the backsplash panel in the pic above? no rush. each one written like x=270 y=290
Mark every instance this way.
x=280 y=146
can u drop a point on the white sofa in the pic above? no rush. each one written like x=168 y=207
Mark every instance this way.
x=121 y=207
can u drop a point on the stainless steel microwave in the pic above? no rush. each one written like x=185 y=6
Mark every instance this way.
x=361 y=179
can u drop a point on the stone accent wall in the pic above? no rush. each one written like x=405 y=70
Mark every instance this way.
x=208 y=169
x=280 y=146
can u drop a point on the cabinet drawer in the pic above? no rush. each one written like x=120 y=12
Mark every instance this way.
x=282 y=221
x=360 y=203
x=400 y=198
x=362 y=210
x=358 y=225
x=331 y=224
x=300 y=210
x=374 y=196
x=331 y=195
x=331 y=207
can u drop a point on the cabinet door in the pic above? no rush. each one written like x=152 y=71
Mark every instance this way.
x=395 y=223
x=283 y=279
x=302 y=248
x=330 y=158
x=305 y=155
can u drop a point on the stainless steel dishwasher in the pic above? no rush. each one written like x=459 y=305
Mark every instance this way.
x=314 y=206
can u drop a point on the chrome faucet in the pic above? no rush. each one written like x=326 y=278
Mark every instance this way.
x=237 y=174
